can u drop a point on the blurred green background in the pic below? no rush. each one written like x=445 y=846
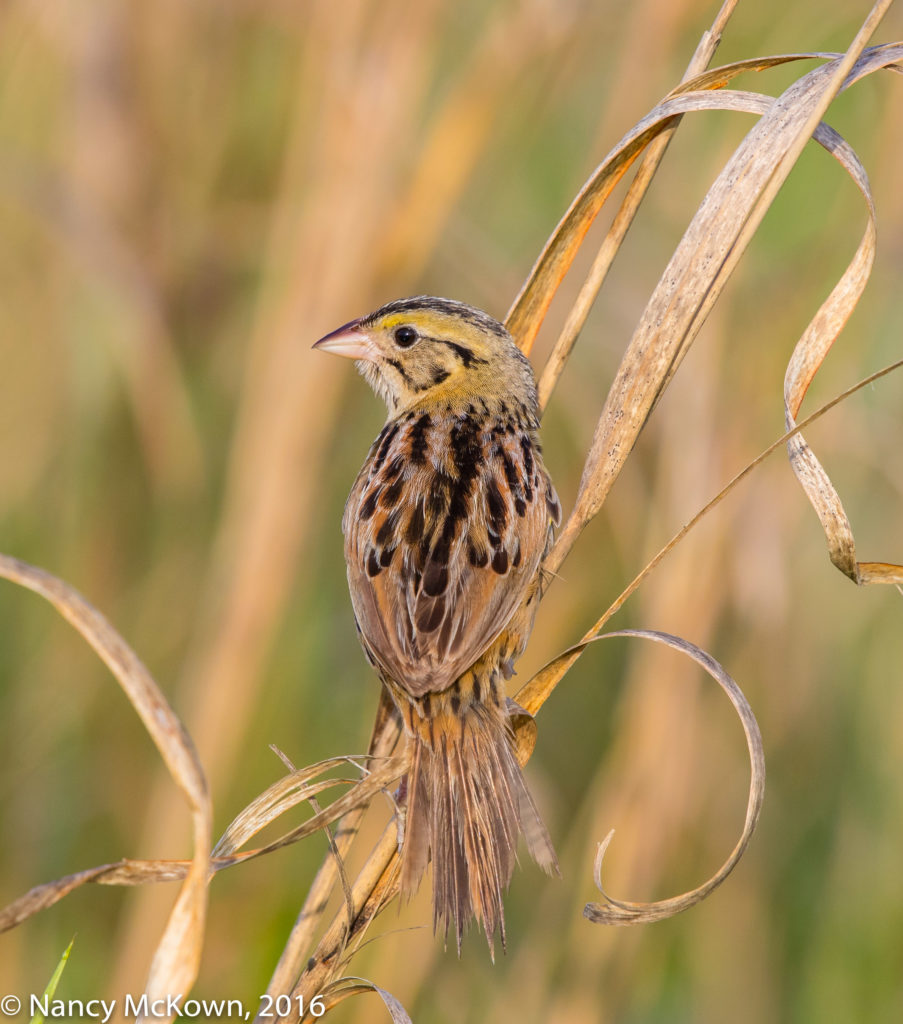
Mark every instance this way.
x=190 y=195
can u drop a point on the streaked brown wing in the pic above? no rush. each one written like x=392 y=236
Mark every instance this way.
x=444 y=531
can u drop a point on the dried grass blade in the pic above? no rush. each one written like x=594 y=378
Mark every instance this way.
x=175 y=963
x=699 y=269
x=43 y=896
x=386 y=731
x=285 y=793
x=534 y=693
x=532 y=302
x=340 y=990
x=808 y=356
x=254 y=819
x=140 y=872
x=376 y=884
x=620 y=225
x=617 y=912
x=363 y=791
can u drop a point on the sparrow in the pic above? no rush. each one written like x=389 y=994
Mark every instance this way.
x=445 y=530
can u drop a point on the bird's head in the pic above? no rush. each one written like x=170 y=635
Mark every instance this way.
x=425 y=350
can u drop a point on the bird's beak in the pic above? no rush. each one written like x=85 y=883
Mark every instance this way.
x=350 y=341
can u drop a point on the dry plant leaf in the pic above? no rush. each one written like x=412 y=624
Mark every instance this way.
x=375 y=886
x=340 y=990
x=175 y=963
x=385 y=735
x=43 y=896
x=807 y=357
x=694 y=277
x=286 y=793
x=620 y=224
x=617 y=912
x=698 y=271
x=124 y=872
x=259 y=814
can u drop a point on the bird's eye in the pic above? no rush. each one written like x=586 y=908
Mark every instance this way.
x=405 y=337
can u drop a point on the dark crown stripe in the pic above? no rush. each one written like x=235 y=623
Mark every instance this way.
x=449 y=307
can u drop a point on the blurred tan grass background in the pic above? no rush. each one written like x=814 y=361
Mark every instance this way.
x=190 y=195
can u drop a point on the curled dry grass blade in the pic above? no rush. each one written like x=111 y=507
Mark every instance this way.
x=536 y=691
x=685 y=293
x=807 y=357
x=697 y=273
x=175 y=963
x=699 y=269
x=287 y=792
x=265 y=811
x=617 y=912
x=340 y=990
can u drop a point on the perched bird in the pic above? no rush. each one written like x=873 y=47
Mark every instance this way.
x=445 y=529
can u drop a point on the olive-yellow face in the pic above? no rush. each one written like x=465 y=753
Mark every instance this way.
x=423 y=350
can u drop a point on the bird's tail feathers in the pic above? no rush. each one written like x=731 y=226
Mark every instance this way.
x=467 y=802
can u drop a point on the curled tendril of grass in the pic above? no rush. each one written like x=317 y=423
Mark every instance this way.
x=614 y=911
